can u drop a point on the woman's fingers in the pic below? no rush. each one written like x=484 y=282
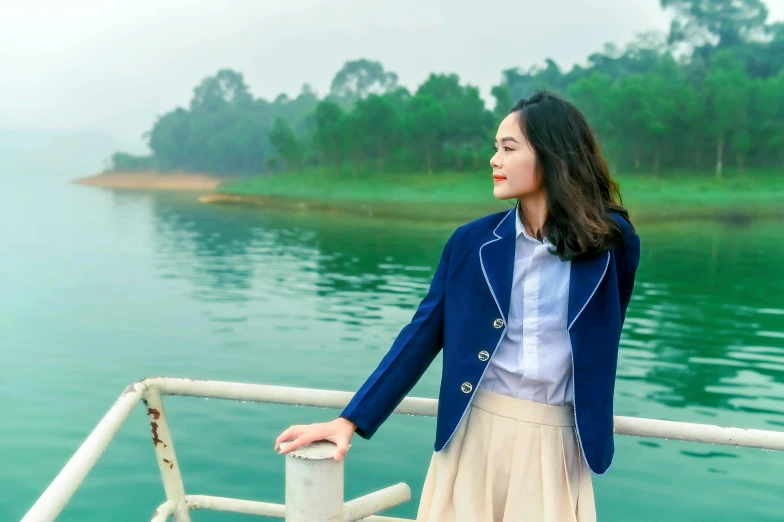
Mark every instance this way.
x=292 y=432
x=297 y=436
x=342 y=449
x=302 y=440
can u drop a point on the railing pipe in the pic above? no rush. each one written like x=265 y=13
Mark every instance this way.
x=164 y=511
x=53 y=500
x=376 y=502
x=164 y=453
x=241 y=391
x=664 y=429
x=639 y=427
x=62 y=488
x=235 y=505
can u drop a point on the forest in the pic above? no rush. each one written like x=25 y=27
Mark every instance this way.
x=707 y=95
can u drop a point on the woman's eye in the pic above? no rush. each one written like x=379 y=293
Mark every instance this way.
x=508 y=149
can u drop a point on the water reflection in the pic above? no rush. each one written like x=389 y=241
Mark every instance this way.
x=705 y=330
x=697 y=329
x=240 y=255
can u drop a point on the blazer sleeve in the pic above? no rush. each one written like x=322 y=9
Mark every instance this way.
x=411 y=353
x=626 y=261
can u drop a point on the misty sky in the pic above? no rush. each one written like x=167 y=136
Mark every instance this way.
x=114 y=65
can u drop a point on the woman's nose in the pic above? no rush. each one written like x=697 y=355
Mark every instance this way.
x=494 y=161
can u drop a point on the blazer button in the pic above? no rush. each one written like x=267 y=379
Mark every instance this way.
x=498 y=323
x=484 y=355
x=466 y=387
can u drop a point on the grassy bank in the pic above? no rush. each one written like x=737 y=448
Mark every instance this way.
x=456 y=195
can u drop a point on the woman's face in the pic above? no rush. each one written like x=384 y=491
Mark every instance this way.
x=514 y=162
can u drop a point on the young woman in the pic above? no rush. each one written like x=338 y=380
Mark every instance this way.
x=528 y=306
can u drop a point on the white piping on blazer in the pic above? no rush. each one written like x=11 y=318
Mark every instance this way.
x=571 y=351
x=481 y=263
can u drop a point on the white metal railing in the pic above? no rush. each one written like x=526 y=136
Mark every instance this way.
x=314 y=481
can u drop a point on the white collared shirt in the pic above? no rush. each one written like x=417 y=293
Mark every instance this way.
x=534 y=360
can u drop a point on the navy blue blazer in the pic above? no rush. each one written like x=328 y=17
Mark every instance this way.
x=465 y=312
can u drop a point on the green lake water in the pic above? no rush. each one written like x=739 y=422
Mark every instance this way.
x=102 y=288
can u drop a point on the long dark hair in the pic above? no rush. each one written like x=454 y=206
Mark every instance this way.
x=575 y=176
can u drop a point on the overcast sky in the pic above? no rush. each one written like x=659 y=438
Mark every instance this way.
x=114 y=65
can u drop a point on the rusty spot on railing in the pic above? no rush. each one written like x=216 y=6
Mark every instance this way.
x=155 y=439
x=130 y=389
x=155 y=413
x=170 y=463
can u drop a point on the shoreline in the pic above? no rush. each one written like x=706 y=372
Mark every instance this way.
x=418 y=198
x=447 y=212
x=421 y=211
x=150 y=180
x=458 y=196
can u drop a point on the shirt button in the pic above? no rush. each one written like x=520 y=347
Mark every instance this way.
x=498 y=323
x=466 y=387
x=484 y=355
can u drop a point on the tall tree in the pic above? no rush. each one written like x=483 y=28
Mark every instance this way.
x=595 y=96
x=630 y=116
x=285 y=142
x=723 y=23
x=425 y=122
x=381 y=124
x=669 y=106
x=359 y=78
x=466 y=122
x=328 y=131
x=227 y=87
x=768 y=113
x=727 y=97
x=169 y=139
x=503 y=100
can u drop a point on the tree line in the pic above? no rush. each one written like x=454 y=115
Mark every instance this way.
x=710 y=93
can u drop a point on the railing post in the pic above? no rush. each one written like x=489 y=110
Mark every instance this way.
x=164 y=452
x=314 y=484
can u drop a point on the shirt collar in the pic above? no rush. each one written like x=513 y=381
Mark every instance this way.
x=520 y=229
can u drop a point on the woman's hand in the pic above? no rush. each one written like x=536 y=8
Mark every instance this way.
x=338 y=431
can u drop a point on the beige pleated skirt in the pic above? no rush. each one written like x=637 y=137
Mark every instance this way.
x=511 y=460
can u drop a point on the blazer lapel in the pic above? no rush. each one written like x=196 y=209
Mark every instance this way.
x=496 y=258
x=584 y=278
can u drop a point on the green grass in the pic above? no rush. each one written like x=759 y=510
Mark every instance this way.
x=322 y=184
x=667 y=195
x=689 y=188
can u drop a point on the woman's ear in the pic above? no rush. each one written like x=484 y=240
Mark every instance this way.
x=539 y=174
